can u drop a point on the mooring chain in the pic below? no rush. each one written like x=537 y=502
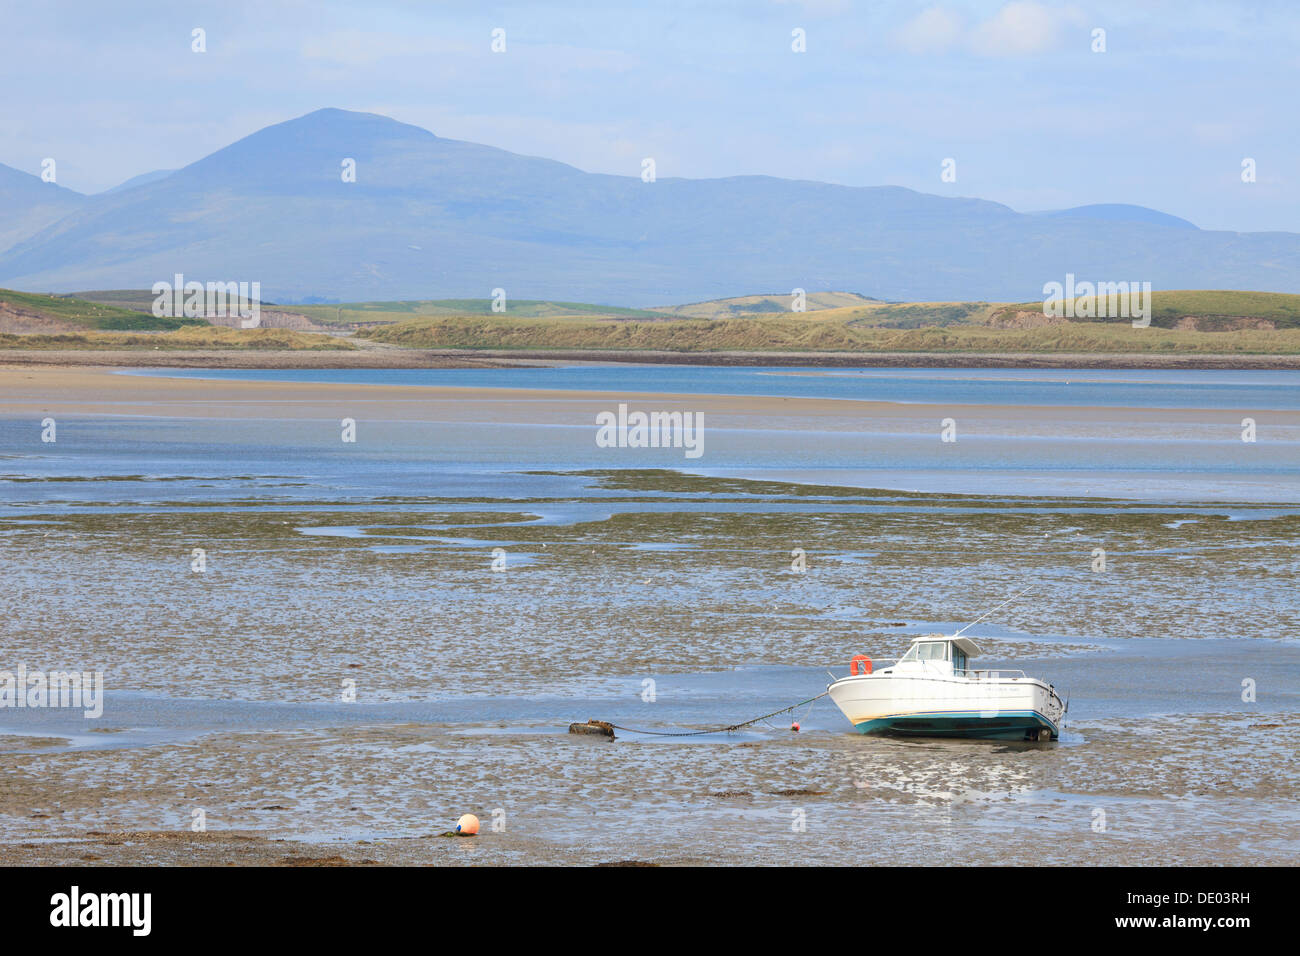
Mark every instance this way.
x=718 y=730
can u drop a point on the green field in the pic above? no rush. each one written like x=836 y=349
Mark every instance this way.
x=90 y=315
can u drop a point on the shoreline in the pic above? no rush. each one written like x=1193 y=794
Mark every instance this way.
x=374 y=358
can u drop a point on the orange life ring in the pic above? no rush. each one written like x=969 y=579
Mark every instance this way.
x=862 y=659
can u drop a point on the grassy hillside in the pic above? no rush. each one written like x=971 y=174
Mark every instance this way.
x=1191 y=310
x=1209 y=310
x=764 y=305
x=367 y=313
x=66 y=310
x=1205 y=310
x=793 y=335
x=920 y=327
x=186 y=339
x=912 y=315
x=135 y=300
x=364 y=313
x=1196 y=321
x=33 y=321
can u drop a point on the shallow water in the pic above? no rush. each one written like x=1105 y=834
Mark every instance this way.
x=1133 y=388
x=1155 y=435
x=375 y=566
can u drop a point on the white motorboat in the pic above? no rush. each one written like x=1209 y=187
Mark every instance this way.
x=932 y=691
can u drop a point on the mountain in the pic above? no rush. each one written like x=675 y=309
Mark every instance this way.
x=437 y=218
x=29 y=204
x=140 y=180
x=1122 y=212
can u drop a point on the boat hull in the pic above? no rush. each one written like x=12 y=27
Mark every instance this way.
x=1000 y=726
x=1016 y=708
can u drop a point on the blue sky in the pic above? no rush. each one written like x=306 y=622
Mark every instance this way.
x=884 y=93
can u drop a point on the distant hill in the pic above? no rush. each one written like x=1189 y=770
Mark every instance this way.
x=140 y=180
x=271 y=316
x=136 y=300
x=1183 y=322
x=41 y=323
x=434 y=218
x=1121 y=212
x=763 y=304
x=28 y=204
x=121 y=309
x=374 y=313
x=1202 y=310
x=33 y=313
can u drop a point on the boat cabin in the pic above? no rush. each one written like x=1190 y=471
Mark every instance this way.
x=938 y=654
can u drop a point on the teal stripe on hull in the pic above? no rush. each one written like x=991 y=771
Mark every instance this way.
x=1007 y=725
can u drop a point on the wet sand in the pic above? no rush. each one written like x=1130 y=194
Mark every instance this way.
x=224 y=687
x=93 y=391
x=1174 y=798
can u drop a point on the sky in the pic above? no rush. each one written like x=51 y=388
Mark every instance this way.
x=1013 y=93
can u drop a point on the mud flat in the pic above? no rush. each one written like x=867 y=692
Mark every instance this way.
x=368 y=567
x=1120 y=795
x=223 y=688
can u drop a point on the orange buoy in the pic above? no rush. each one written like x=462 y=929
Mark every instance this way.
x=862 y=659
x=467 y=825
x=795 y=726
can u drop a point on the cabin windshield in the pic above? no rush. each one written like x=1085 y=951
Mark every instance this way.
x=927 y=651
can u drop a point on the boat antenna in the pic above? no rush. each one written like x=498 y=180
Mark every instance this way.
x=987 y=613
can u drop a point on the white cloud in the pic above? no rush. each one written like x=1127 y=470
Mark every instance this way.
x=1019 y=28
x=933 y=30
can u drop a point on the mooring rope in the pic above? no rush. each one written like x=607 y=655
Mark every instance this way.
x=720 y=730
